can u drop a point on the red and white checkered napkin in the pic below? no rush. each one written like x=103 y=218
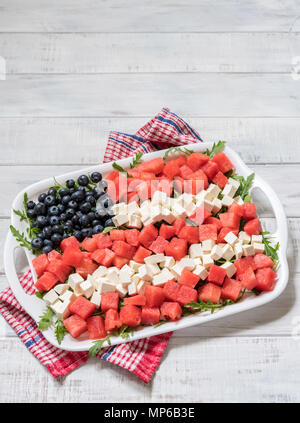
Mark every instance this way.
x=140 y=357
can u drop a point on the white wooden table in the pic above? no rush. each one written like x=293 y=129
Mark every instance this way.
x=79 y=68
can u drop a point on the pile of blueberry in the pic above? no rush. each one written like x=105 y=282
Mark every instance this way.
x=78 y=209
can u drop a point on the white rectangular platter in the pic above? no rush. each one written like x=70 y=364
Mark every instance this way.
x=35 y=307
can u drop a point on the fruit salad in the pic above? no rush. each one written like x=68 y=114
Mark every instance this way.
x=150 y=244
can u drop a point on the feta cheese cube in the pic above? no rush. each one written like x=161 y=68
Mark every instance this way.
x=244 y=238
x=159 y=197
x=201 y=272
x=217 y=205
x=197 y=261
x=216 y=252
x=125 y=274
x=238 y=250
x=212 y=192
x=168 y=262
x=141 y=287
x=226 y=201
x=167 y=215
x=195 y=250
x=230 y=238
x=51 y=297
x=100 y=272
x=120 y=219
x=207 y=245
x=229 y=190
x=67 y=296
x=155 y=258
x=207 y=261
x=135 y=278
x=208 y=205
x=230 y=268
x=133 y=208
x=119 y=208
x=96 y=298
x=258 y=247
x=132 y=290
x=113 y=275
x=176 y=270
x=74 y=280
x=234 y=183
x=61 y=288
x=228 y=252
x=61 y=309
x=134 y=221
x=144 y=273
x=248 y=250
x=153 y=269
x=179 y=211
x=134 y=265
x=106 y=286
x=164 y=276
x=187 y=263
x=87 y=288
x=256 y=238
x=121 y=290
x=238 y=200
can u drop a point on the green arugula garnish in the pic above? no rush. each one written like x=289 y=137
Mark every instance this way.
x=124 y=332
x=108 y=229
x=97 y=347
x=245 y=185
x=120 y=169
x=46 y=319
x=136 y=161
x=60 y=330
x=20 y=237
x=162 y=322
x=269 y=249
x=255 y=291
x=206 y=306
x=172 y=150
x=21 y=214
x=39 y=295
x=216 y=148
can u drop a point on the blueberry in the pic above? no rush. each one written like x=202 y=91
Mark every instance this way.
x=41 y=197
x=72 y=190
x=91 y=216
x=54 y=220
x=96 y=177
x=95 y=222
x=91 y=199
x=52 y=191
x=30 y=205
x=47 y=249
x=78 y=235
x=86 y=232
x=97 y=192
x=41 y=235
x=65 y=236
x=41 y=221
x=97 y=229
x=84 y=221
x=53 y=211
x=70 y=213
x=75 y=219
x=85 y=207
x=81 y=188
x=77 y=227
x=48 y=242
x=66 y=199
x=103 y=185
x=70 y=183
x=47 y=232
x=56 y=238
x=68 y=226
x=40 y=209
x=73 y=204
x=31 y=213
x=83 y=180
x=37 y=243
x=108 y=222
x=49 y=200
x=79 y=214
x=61 y=208
x=63 y=191
x=58 y=229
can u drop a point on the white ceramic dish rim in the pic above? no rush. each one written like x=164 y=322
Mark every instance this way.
x=35 y=307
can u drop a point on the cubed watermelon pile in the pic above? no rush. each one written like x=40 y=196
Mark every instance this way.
x=182 y=235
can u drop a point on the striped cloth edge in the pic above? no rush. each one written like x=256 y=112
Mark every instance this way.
x=140 y=357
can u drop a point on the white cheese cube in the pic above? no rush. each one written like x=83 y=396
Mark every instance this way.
x=187 y=263
x=96 y=298
x=87 y=288
x=248 y=250
x=176 y=270
x=185 y=199
x=121 y=290
x=155 y=258
x=216 y=252
x=207 y=245
x=74 y=280
x=244 y=238
x=133 y=208
x=61 y=288
x=238 y=250
x=195 y=250
x=256 y=238
x=153 y=269
x=179 y=211
x=141 y=287
x=120 y=219
x=135 y=278
x=50 y=297
x=228 y=252
x=234 y=182
x=125 y=274
x=212 y=192
x=209 y=205
x=217 y=205
x=164 y=276
x=159 y=197
x=67 y=296
x=167 y=262
x=132 y=290
x=144 y=273
x=100 y=272
x=238 y=200
x=201 y=272
x=167 y=215
x=119 y=208
x=106 y=286
x=229 y=190
x=197 y=261
x=230 y=268
x=258 y=247
x=230 y=238
x=61 y=309
x=134 y=265
x=134 y=221
x=226 y=201
x=207 y=261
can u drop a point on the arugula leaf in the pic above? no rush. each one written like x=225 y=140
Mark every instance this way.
x=255 y=291
x=216 y=148
x=269 y=249
x=206 y=306
x=162 y=322
x=136 y=161
x=172 y=150
x=120 y=169
x=60 y=330
x=20 y=237
x=39 y=294
x=98 y=346
x=245 y=185
x=124 y=332
x=108 y=229
x=21 y=214
x=46 y=319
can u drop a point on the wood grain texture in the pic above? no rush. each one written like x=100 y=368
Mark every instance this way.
x=117 y=53
x=148 y=16
x=111 y=95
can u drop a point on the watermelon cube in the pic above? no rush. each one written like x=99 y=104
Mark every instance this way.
x=223 y=162
x=265 y=279
x=220 y=179
x=249 y=211
x=186 y=294
x=123 y=249
x=178 y=224
x=253 y=227
x=150 y=315
x=46 y=282
x=236 y=208
x=72 y=256
x=155 y=166
x=82 y=307
x=196 y=160
x=75 y=325
x=154 y=296
x=188 y=278
x=95 y=327
x=241 y=266
x=40 y=264
x=199 y=182
x=89 y=244
x=207 y=231
x=167 y=231
x=231 y=289
x=177 y=248
x=103 y=240
x=216 y=274
x=104 y=256
x=119 y=262
x=210 y=169
x=69 y=242
x=210 y=292
x=141 y=254
x=131 y=315
x=158 y=245
x=199 y=215
x=248 y=279
x=185 y=172
x=171 y=169
x=171 y=310
x=132 y=237
x=58 y=268
x=54 y=255
x=223 y=232
x=112 y=320
x=180 y=160
x=117 y=235
x=170 y=290
x=138 y=300
x=190 y=234
x=86 y=267
x=214 y=221
x=147 y=235
x=109 y=300
x=262 y=260
x=230 y=220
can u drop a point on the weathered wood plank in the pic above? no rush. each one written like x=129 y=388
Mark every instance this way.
x=16 y=178
x=42 y=140
x=148 y=16
x=192 y=369
x=105 y=53
x=112 y=95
